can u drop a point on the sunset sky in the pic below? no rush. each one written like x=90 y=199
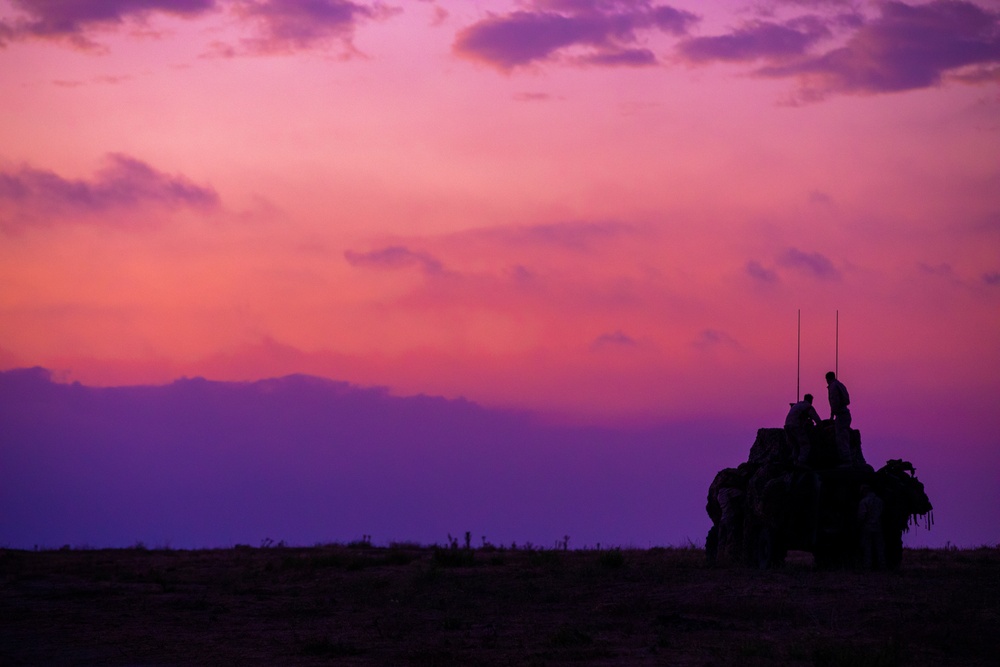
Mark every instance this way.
x=603 y=211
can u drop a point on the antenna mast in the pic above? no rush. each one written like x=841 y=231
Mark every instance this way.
x=836 y=353
x=798 y=357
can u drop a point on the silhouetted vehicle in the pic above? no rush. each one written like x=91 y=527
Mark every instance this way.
x=766 y=507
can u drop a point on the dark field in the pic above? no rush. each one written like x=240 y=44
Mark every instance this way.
x=361 y=605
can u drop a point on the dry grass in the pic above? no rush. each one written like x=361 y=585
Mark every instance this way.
x=359 y=605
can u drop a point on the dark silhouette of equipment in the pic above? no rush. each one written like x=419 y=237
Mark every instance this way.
x=768 y=505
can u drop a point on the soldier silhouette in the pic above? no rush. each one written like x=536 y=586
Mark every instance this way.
x=798 y=423
x=841 y=416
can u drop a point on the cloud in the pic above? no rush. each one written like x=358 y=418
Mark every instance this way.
x=124 y=183
x=606 y=29
x=521 y=275
x=7 y=34
x=76 y=21
x=817 y=3
x=820 y=197
x=440 y=16
x=532 y=97
x=281 y=26
x=812 y=263
x=989 y=224
x=903 y=47
x=286 y=26
x=978 y=75
x=943 y=269
x=576 y=236
x=758 y=272
x=99 y=80
x=395 y=257
x=709 y=339
x=277 y=449
x=945 y=273
x=758 y=40
x=906 y=47
x=624 y=57
x=614 y=339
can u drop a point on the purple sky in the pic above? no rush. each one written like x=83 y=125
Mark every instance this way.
x=305 y=460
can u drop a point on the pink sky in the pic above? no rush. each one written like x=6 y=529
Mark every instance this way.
x=596 y=209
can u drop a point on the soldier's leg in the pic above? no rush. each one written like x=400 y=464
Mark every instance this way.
x=803 y=456
x=842 y=435
x=791 y=450
x=798 y=441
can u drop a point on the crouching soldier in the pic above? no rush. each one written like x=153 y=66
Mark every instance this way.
x=799 y=422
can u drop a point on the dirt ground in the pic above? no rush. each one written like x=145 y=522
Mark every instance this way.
x=411 y=605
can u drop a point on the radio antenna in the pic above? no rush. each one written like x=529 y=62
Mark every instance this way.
x=836 y=353
x=798 y=357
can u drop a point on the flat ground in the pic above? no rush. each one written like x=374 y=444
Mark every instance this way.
x=361 y=605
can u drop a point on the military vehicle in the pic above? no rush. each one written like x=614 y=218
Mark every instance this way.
x=768 y=505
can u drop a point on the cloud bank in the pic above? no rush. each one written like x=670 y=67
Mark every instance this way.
x=285 y=26
x=616 y=338
x=198 y=463
x=578 y=235
x=279 y=26
x=758 y=40
x=77 y=21
x=813 y=264
x=607 y=31
x=833 y=50
x=830 y=48
x=904 y=47
x=395 y=257
x=29 y=194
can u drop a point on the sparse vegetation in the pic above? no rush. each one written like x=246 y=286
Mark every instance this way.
x=364 y=543
x=407 y=603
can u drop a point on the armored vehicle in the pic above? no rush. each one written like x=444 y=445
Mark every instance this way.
x=768 y=505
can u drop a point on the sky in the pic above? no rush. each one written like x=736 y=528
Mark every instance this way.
x=608 y=213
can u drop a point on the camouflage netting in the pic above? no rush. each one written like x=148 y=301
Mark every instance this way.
x=768 y=506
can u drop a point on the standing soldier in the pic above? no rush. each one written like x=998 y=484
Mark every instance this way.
x=841 y=416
